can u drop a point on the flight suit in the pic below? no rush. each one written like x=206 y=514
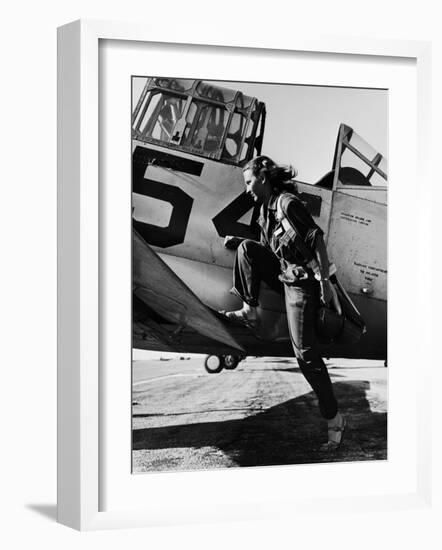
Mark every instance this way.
x=266 y=261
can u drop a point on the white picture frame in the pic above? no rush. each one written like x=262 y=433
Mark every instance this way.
x=80 y=361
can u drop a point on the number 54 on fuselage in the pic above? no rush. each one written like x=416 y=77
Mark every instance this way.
x=190 y=142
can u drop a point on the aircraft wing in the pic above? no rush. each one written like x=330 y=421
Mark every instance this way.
x=169 y=300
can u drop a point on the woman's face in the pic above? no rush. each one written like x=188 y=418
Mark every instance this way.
x=254 y=185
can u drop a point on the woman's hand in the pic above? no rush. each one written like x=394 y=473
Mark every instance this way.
x=326 y=292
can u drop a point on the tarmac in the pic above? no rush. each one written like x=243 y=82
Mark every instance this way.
x=263 y=413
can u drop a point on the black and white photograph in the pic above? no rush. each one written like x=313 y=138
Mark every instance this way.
x=259 y=274
x=225 y=248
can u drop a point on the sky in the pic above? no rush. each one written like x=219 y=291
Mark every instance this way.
x=302 y=121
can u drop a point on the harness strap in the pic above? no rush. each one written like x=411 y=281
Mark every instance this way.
x=291 y=235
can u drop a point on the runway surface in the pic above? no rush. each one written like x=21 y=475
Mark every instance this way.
x=261 y=413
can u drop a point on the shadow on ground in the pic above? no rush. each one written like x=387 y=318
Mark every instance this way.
x=49 y=511
x=289 y=433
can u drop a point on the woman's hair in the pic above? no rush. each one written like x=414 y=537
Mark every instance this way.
x=278 y=176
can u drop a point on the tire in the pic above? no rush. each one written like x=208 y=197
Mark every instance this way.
x=213 y=364
x=231 y=361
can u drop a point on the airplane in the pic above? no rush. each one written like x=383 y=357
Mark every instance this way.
x=190 y=140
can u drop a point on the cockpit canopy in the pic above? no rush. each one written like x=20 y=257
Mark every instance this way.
x=356 y=163
x=200 y=118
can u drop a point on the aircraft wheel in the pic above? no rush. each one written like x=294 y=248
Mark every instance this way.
x=231 y=361
x=213 y=364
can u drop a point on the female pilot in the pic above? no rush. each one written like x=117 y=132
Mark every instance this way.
x=281 y=260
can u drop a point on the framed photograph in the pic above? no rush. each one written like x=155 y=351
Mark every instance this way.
x=231 y=259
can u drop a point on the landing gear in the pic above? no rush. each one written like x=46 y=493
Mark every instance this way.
x=231 y=361
x=216 y=363
x=213 y=364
